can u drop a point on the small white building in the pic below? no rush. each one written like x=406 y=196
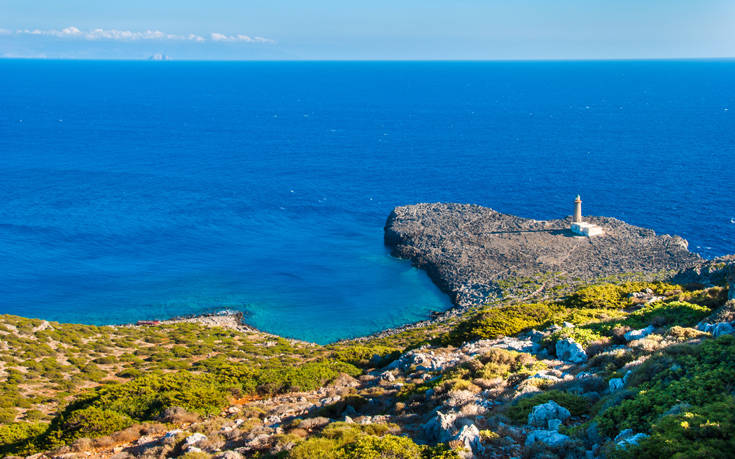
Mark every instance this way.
x=580 y=227
x=587 y=229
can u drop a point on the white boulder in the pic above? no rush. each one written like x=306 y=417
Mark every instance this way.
x=195 y=438
x=470 y=437
x=638 y=334
x=615 y=384
x=541 y=414
x=628 y=438
x=570 y=351
x=547 y=437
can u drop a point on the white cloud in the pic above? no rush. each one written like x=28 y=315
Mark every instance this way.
x=239 y=38
x=72 y=32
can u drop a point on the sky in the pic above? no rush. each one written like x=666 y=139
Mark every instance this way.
x=375 y=30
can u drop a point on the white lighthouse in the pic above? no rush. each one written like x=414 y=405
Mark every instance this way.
x=581 y=228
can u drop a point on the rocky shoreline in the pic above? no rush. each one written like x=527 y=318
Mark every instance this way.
x=476 y=254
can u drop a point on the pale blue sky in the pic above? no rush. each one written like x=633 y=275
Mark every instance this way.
x=380 y=29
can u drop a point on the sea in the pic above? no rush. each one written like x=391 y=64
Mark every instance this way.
x=134 y=190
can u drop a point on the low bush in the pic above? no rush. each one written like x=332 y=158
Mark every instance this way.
x=696 y=374
x=576 y=404
x=615 y=296
x=364 y=356
x=20 y=438
x=704 y=431
x=372 y=441
x=502 y=321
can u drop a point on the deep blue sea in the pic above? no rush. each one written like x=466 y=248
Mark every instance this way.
x=145 y=190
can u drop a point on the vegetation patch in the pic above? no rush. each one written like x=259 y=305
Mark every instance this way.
x=576 y=404
x=697 y=375
x=704 y=431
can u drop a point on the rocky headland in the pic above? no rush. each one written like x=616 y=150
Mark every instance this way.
x=476 y=254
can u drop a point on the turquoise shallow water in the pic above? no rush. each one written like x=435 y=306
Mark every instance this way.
x=142 y=190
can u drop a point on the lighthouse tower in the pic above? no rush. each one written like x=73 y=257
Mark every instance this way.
x=581 y=228
x=577 y=210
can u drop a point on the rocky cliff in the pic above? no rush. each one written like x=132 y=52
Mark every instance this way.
x=473 y=252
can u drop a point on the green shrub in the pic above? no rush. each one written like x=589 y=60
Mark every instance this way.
x=705 y=432
x=657 y=314
x=372 y=441
x=20 y=438
x=130 y=373
x=308 y=376
x=615 y=296
x=388 y=446
x=93 y=422
x=7 y=415
x=576 y=404
x=695 y=374
x=502 y=321
x=361 y=356
x=674 y=312
x=583 y=336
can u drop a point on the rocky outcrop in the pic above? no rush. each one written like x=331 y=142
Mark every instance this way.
x=542 y=414
x=469 y=250
x=569 y=350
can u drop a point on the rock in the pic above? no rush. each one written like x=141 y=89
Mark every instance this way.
x=628 y=438
x=229 y=455
x=314 y=423
x=194 y=438
x=177 y=415
x=172 y=433
x=544 y=374
x=638 y=334
x=272 y=421
x=468 y=250
x=387 y=376
x=570 y=351
x=541 y=414
x=567 y=325
x=615 y=384
x=554 y=424
x=440 y=427
x=723 y=328
x=470 y=437
x=550 y=438
x=509 y=343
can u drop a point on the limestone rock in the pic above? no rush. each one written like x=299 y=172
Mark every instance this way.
x=550 y=438
x=570 y=351
x=229 y=455
x=541 y=414
x=470 y=437
x=440 y=427
x=194 y=438
x=628 y=438
x=638 y=334
x=615 y=384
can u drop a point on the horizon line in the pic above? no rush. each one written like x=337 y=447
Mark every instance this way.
x=149 y=59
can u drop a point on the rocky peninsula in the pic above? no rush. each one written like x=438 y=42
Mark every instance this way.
x=476 y=254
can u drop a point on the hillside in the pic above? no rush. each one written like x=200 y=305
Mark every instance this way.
x=620 y=366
